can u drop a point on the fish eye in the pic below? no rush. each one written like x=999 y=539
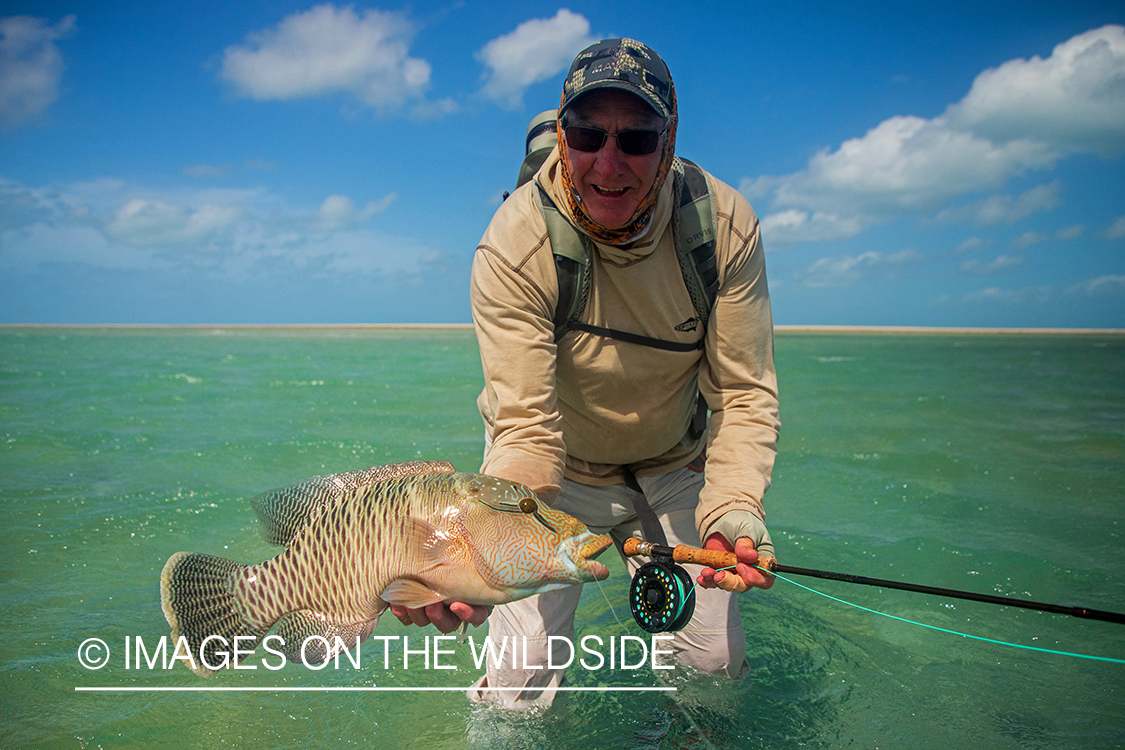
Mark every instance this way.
x=527 y=505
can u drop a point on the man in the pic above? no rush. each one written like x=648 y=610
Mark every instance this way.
x=599 y=427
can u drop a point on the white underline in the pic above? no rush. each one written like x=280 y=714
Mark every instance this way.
x=372 y=689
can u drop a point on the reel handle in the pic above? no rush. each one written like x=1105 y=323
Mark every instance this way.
x=682 y=553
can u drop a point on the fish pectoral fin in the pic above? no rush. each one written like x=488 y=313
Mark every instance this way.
x=409 y=593
x=432 y=549
x=318 y=635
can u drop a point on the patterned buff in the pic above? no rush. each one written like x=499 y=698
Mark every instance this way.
x=631 y=66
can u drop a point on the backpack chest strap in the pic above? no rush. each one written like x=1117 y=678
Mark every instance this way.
x=633 y=338
x=694 y=239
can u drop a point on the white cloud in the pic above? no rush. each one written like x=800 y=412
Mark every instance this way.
x=433 y=110
x=993 y=294
x=787 y=227
x=1027 y=239
x=30 y=247
x=1005 y=209
x=377 y=207
x=1074 y=99
x=535 y=51
x=30 y=67
x=909 y=165
x=21 y=206
x=327 y=50
x=758 y=187
x=1001 y=264
x=338 y=211
x=1116 y=230
x=153 y=223
x=847 y=270
x=240 y=234
x=973 y=243
x=1100 y=286
x=1071 y=233
x=906 y=165
x=348 y=253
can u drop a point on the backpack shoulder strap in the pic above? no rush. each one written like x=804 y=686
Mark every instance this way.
x=572 y=263
x=695 y=237
x=695 y=247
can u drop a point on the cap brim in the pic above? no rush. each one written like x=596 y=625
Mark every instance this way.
x=656 y=105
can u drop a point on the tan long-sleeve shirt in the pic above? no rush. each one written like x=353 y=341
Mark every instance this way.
x=591 y=405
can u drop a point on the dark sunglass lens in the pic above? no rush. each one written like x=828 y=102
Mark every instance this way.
x=632 y=142
x=638 y=142
x=584 y=139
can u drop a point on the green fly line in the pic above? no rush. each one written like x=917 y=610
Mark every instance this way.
x=1055 y=652
x=944 y=630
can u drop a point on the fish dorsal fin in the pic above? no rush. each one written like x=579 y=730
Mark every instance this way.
x=283 y=512
x=407 y=592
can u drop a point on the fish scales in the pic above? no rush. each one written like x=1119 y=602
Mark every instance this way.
x=411 y=534
x=349 y=529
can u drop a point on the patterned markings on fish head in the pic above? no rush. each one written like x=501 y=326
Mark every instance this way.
x=520 y=545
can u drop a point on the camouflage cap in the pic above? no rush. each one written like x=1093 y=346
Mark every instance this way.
x=621 y=64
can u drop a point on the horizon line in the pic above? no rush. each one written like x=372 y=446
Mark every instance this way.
x=789 y=329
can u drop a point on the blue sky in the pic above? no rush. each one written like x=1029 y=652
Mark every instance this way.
x=269 y=161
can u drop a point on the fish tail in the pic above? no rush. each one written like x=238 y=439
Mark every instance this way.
x=197 y=594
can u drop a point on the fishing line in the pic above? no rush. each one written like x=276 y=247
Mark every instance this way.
x=654 y=616
x=943 y=630
x=649 y=614
x=612 y=611
x=683 y=710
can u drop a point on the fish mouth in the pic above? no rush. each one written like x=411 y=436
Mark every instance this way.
x=586 y=549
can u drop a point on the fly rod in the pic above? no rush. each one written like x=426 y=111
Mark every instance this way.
x=718 y=559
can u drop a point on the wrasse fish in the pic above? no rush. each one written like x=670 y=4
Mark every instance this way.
x=410 y=534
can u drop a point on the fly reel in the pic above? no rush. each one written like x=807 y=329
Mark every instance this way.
x=661 y=596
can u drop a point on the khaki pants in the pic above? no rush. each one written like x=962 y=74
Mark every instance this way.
x=712 y=642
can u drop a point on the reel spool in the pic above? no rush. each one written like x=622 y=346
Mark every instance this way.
x=661 y=596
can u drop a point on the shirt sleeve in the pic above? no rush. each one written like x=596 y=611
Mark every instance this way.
x=511 y=308
x=737 y=375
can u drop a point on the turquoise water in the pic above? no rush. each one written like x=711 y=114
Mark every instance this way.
x=989 y=463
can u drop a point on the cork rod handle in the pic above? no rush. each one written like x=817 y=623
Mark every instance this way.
x=682 y=553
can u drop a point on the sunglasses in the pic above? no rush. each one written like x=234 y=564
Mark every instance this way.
x=631 y=142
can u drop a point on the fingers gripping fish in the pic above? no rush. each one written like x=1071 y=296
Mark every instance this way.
x=410 y=534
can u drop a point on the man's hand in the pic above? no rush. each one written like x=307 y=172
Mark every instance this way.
x=740 y=579
x=738 y=524
x=445 y=616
